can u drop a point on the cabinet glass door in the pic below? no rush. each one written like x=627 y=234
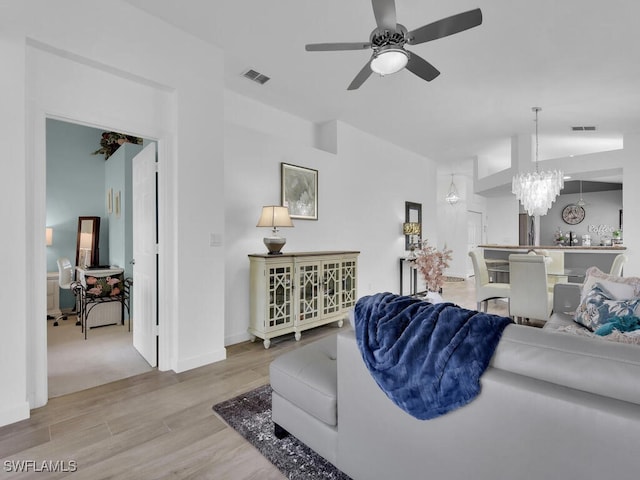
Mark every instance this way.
x=349 y=283
x=330 y=287
x=280 y=299
x=308 y=292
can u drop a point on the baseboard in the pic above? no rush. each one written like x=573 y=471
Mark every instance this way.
x=239 y=338
x=195 y=362
x=14 y=414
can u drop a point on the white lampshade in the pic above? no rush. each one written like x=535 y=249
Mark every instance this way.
x=49 y=236
x=389 y=60
x=275 y=216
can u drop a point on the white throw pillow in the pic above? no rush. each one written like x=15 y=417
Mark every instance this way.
x=620 y=288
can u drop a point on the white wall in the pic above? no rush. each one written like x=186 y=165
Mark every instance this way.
x=103 y=73
x=502 y=220
x=631 y=204
x=362 y=190
x=14 y=180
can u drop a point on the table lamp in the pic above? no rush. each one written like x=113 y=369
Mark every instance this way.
x=275 y=217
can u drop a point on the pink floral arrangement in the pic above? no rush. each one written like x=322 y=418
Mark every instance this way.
x=431 y=264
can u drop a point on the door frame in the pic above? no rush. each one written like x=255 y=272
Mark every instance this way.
x=36 y=329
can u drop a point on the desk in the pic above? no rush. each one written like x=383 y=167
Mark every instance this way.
x=53 y=295
x=103 y=296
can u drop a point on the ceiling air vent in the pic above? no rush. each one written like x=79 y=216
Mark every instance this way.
x=584 y=129
x=256 y=76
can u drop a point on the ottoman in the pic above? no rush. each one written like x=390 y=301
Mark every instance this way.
x=304 y=399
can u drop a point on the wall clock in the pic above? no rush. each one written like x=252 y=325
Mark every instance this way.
x=573 y=214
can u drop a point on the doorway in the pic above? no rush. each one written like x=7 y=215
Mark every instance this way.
x=79 y=91
x=74 y=158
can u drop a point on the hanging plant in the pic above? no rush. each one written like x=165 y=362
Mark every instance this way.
x=431 y=264
x=111 y=141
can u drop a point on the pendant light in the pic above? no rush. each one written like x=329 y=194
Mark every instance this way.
x=452 y=197
x=537 y=190
x=581 y=202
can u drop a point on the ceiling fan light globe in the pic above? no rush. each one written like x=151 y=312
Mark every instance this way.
x=388 y=61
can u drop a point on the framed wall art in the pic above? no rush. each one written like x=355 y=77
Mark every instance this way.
x=117 y=204
x=299 y=191
x=110 y=201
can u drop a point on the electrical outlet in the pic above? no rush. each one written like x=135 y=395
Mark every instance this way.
x=215 y=240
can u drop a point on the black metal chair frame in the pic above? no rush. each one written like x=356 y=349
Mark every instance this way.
x=88 y=302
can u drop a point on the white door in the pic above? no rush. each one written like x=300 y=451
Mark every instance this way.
x=474 y=235
x=144 y=306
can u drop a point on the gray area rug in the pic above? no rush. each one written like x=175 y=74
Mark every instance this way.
x=250 y=415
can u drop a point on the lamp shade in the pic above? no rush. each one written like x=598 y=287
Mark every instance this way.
x=274 y=216
x=49 y=236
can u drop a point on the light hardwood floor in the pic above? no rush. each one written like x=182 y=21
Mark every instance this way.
x=160 y=424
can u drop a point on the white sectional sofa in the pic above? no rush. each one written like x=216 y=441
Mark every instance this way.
x=553 y=406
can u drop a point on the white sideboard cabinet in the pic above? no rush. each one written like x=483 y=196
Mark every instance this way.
x=293 y=292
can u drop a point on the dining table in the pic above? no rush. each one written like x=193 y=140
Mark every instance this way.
x=573 y=274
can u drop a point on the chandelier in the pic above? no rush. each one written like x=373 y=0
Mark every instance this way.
x=537 y=190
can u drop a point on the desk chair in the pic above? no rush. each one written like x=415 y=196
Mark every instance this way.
x=65 y=279
x=486 y=291
x=530 y=296
x=618 y=263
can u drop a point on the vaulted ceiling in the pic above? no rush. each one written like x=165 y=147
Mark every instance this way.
x=577 y=59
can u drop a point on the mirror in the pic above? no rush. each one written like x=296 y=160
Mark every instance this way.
x=413 y=214
x=87 y=249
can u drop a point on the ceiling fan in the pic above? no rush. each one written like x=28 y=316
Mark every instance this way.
x=389 y=38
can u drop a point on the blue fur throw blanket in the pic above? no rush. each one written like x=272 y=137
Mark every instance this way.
x=427 y=358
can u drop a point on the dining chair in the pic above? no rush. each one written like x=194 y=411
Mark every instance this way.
x=485 y=290
x=530 y=297
x=618 y=263
x=555 y=267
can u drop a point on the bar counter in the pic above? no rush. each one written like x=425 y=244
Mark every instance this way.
x=578 y=257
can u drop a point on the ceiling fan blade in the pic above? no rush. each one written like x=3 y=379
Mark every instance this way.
x=327 y=47
x=446 y=26
x=385 y=13
x=360 y=77
x=420 y=67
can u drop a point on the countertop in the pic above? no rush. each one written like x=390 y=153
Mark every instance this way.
x=555 y=247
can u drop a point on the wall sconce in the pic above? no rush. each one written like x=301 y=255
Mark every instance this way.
x=452 y=197
x=49 y=236
x=412 y=229
x=275 y=217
